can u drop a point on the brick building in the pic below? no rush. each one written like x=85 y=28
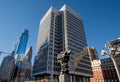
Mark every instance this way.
x=104 y=71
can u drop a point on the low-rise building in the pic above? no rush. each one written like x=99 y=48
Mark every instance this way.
x=82 y=64
x=23 y=70
x=104 y=71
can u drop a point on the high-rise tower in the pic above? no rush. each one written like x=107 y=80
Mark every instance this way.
x=23 y=42
x=60 y=30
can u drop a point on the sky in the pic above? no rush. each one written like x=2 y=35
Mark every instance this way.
x=101 y=20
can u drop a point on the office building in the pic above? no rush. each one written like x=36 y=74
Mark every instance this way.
x=23 y=42
x=7 y=67
x=60 y=30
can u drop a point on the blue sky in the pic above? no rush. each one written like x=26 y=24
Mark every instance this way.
x=101 y=20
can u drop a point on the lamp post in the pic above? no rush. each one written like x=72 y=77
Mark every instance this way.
x=113 y=47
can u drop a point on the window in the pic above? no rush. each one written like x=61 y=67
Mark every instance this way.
x=49 y=62
x=49 y=68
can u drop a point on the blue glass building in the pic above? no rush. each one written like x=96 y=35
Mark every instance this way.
x=23 y=42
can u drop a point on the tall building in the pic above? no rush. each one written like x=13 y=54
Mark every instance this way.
x=6 y=68
x=23 y=42
x=60 y=30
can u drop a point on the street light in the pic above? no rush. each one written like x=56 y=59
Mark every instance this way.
x=113 y=47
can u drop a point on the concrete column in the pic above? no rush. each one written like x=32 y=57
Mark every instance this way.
x=64 y=78
x=35 y=78
x=74 y=78
x=80 y=79
x=88 y=80
x=84 y=79
x=71 y=79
